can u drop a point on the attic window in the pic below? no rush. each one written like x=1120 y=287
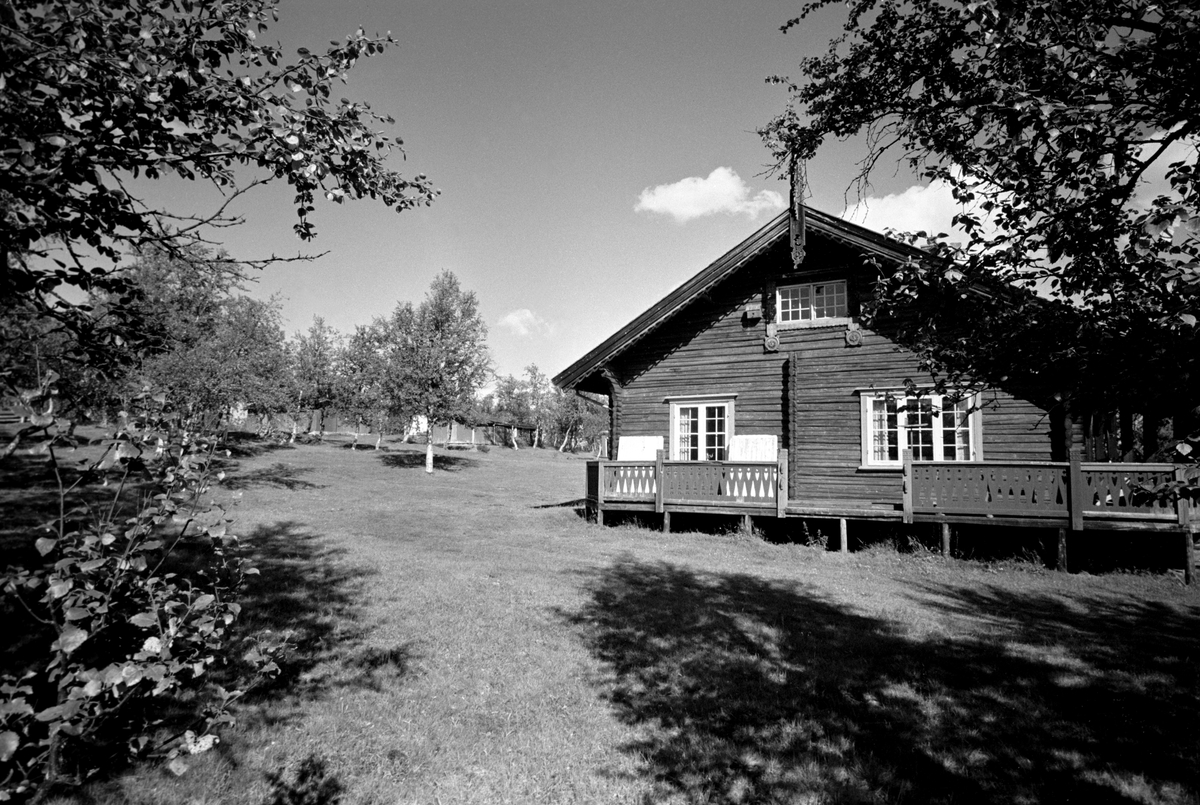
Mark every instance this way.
x=812 y=304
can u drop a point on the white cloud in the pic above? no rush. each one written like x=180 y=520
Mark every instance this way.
x=929 y=208
x=723 y=191
x=524 y=322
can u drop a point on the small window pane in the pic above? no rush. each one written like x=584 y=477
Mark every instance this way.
x=714 y=433
x=885 y=433
x=789 y=304
x=689 y=433
x=918 y=424
x=956 y=431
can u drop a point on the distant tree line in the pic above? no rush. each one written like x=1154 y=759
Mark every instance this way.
x=221 y=361
x=559 y=419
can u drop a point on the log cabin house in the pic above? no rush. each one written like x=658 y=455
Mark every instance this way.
x=753 y=389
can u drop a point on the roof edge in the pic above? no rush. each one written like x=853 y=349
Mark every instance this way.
x=758 y=242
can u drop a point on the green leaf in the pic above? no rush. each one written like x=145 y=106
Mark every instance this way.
x=144 y=620
x=9 y=741
x=16 y=707
x=60 y=711
x=72 y=638
x=203 y=601
x=45 y=545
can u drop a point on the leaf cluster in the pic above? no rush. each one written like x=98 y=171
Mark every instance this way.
x=1067 y=130
x=95 y=96
x=133 y=608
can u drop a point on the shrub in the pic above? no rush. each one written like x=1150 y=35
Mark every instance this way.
x=132 y=611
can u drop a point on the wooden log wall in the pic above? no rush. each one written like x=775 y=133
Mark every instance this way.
x=709 y=348
x=826 y=381
x=806 y=393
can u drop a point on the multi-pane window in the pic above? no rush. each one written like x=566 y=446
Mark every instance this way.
x=933 y=427
x=811 y=302
x=701 y=431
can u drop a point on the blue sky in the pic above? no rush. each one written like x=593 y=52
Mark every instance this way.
x=591 y=156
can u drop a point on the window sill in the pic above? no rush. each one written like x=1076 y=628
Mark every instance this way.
x=814 y=324
x=881 y=468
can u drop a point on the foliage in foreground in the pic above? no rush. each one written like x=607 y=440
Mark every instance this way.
x=129 y=611
x=96 y=97
x=1067 y=130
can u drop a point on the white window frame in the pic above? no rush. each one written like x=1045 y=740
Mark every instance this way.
x=701 y=402
x=839 y=287
x=973 y=430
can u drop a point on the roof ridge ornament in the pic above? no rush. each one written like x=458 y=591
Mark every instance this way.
x=797 y=225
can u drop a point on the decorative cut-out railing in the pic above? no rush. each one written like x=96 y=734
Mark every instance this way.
x=716 y=484
x=988 y=487
x=628 y=480
x=720 y=481
x=1073 y=494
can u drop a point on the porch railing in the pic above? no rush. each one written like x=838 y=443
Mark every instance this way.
x=1074 y=492
x=754 y=484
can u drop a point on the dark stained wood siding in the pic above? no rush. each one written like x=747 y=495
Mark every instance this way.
x=827 y=378
x=807 y=393
x=709 y=348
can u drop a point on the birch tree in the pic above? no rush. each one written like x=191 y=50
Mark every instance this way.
x=438 y=356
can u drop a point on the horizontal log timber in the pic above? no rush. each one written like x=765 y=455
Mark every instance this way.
x=732 y=505
x=1157 y=526
x=853 y=512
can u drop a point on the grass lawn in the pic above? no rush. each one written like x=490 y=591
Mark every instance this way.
x=468 y=638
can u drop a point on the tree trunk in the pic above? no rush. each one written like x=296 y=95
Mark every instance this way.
x=512 y=433
x=562 y=447
x=429 y=447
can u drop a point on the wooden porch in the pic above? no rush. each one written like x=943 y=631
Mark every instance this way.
x=746 y=488
x=1071 y=496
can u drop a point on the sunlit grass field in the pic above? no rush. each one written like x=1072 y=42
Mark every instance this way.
x=467 y=637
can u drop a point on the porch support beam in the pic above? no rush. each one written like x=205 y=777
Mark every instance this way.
x=843 y=536
x=659 y=484
x=1183 y=509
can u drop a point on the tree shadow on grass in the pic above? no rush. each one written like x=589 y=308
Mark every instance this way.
x=411 y=460
x=29 y=500
x=306 y=591
x=279 y=475
x=250 y=445
x=747 y=690
x=566 y=504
